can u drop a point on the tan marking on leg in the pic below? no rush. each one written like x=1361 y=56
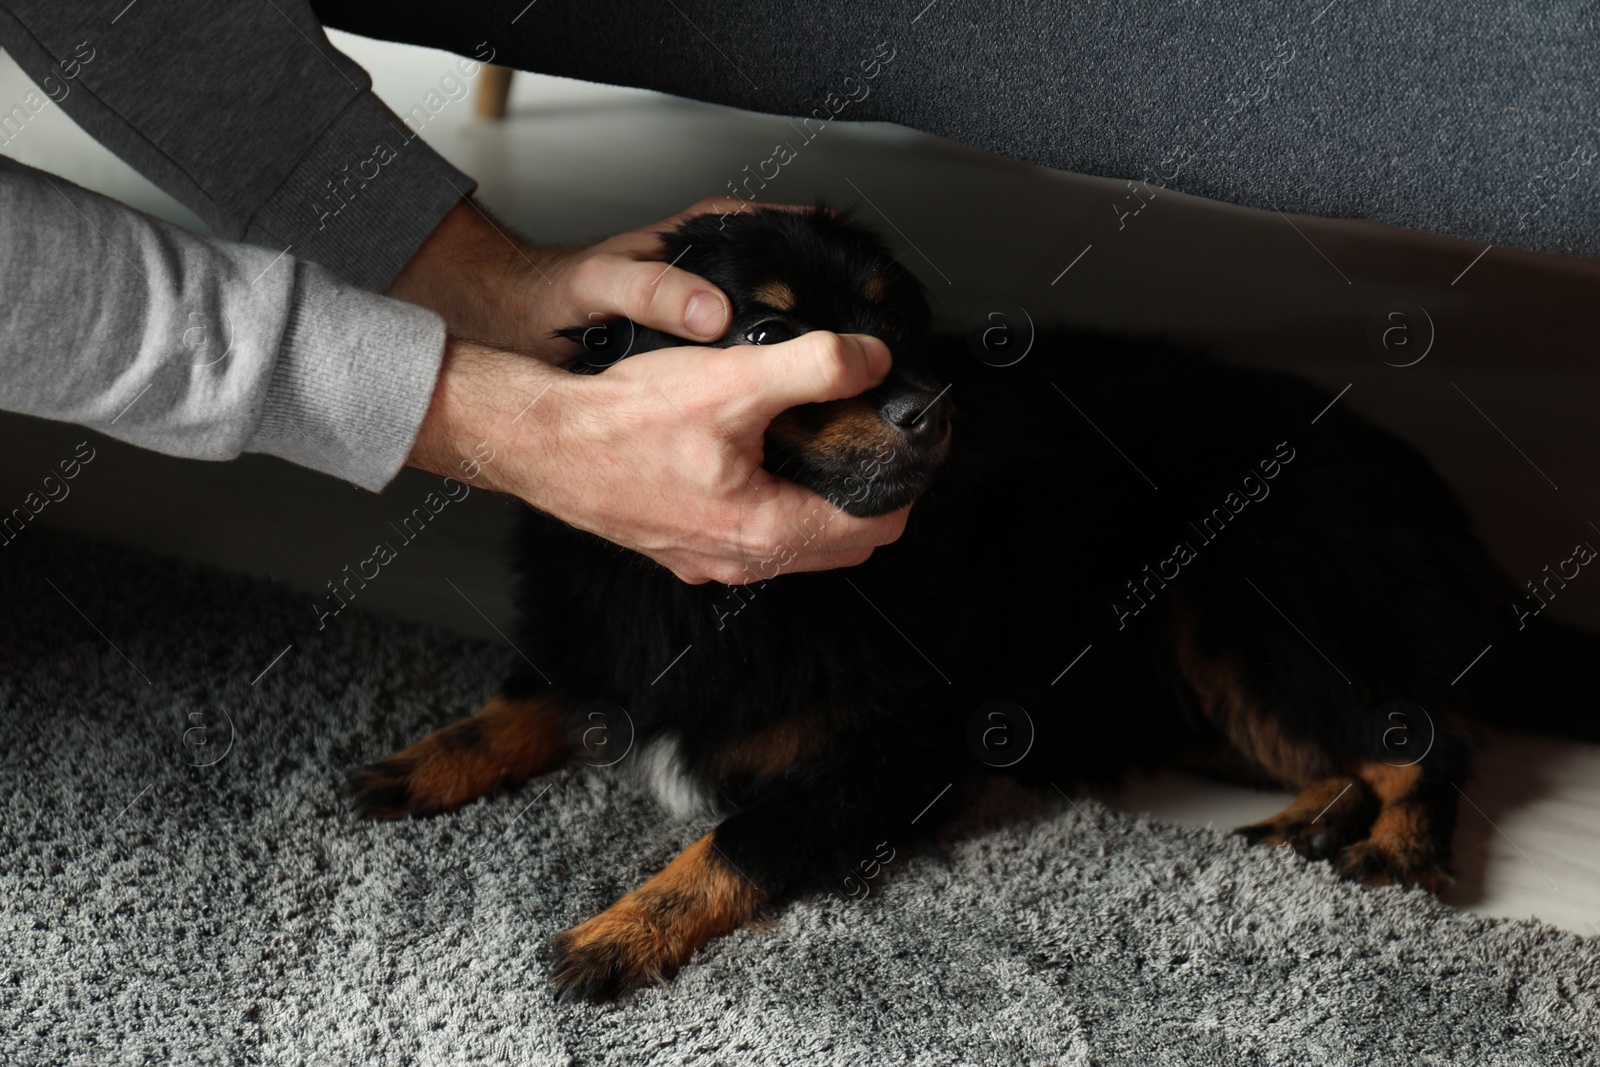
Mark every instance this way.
x=1400 y=850
x=765 y=754
x=648 y=934
x=1326 y=816
x=504 y=744
x=1391 y=783
x=771 y=751
x=1250 y=728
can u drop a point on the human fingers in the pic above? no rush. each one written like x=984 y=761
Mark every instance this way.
x=651 y=293
x=807 y=532
x=809 y=369
x=622 y=275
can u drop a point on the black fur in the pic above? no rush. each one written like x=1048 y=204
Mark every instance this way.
x=1346 y=579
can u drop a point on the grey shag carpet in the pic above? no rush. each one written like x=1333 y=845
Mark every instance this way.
x=170 y=897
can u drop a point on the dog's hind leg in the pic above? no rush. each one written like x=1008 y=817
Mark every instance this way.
x=1379 y=816
x=503 y=745
x=1328 y=815
x=1410 y=839
x=1380 y=822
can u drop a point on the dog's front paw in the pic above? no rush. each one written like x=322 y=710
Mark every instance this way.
x=617 y=951
x=383 y=791
x=501 y=747
x=438 y=774
x=648 y=934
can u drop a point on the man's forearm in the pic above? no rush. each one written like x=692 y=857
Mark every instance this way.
x=487 y=282
x=196 y=348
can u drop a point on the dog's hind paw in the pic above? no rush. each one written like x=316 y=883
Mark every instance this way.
x=1323 y=819
x=1374 y=862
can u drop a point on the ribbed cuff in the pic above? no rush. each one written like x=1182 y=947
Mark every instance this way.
x=363 y=199
x=354 y=377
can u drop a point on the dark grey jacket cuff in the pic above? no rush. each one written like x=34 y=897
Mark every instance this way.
x=363 y=198
x=246 y=114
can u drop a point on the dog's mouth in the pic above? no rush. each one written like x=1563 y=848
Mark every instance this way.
x=866 y=457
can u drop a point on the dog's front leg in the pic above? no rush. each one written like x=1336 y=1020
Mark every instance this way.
x=503 y=745
x=809 y=831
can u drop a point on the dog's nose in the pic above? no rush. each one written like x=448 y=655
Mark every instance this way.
x=922 y=416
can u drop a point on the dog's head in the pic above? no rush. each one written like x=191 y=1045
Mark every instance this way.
x=791 y=272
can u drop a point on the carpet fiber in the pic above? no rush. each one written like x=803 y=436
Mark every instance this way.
x=182 y=882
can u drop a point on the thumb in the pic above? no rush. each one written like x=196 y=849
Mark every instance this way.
x=813 y=368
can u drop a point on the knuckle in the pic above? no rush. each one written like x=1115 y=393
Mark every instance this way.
x=591 y=277
x=832 y=357
x=729 y=574
x=646 y=283
x=894 y=526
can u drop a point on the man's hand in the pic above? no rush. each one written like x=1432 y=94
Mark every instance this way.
x=661 y=453
x=492 y=286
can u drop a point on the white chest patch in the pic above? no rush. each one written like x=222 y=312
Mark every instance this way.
x=661 y=764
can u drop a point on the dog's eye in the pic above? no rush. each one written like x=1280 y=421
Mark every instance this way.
x=771 y=332
x=892 y=326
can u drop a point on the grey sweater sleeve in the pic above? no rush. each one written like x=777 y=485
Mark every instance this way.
x=155 y=336
x=243 y=111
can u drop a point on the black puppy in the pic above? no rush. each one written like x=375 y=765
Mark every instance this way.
x=1120 y=551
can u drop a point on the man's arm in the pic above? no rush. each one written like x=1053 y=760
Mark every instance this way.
x=155 y=336
x=246 y=114
x=218 y=104
x=249 y=116
x=196 y=348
